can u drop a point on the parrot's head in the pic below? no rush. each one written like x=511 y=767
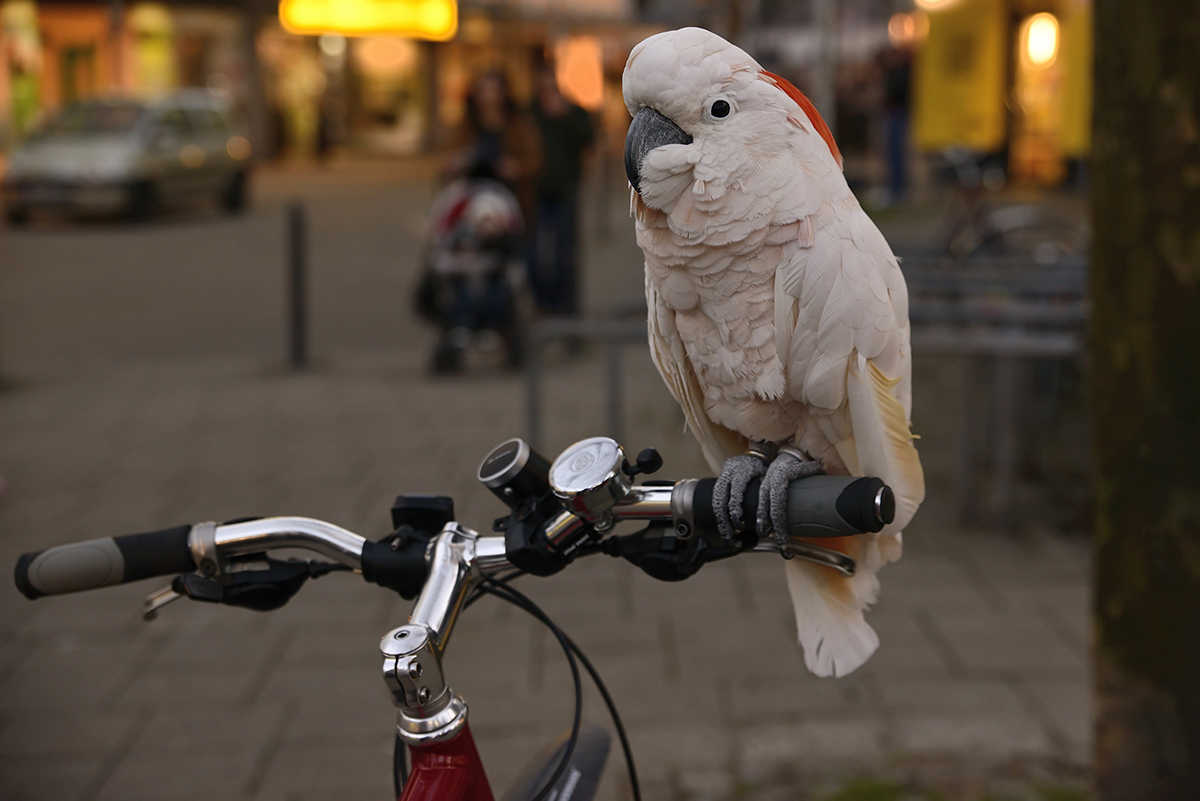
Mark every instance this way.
x=707 y=117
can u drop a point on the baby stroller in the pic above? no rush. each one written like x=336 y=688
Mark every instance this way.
x=474 y=275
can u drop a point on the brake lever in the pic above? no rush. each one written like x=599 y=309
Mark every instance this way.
x=157 y=600
x=822 y=556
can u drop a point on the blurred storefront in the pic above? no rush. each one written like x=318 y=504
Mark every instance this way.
x=56 y=53
x=393 y=94
x=1010 y=78
x=1005 y=77
x=587 y=42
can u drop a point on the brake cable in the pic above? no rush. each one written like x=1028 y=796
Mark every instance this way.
x=532 y=608
x=521 y=601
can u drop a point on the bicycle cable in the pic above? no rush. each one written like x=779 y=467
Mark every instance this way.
x=499 y=587
x=630 y=767
x=519 y=600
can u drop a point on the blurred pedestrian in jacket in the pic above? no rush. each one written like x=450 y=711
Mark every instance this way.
x=566 y=133
x=499 y=141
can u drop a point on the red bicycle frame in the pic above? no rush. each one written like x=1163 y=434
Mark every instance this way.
x=448 y=771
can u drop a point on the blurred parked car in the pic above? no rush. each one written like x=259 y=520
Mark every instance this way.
x=128 y=156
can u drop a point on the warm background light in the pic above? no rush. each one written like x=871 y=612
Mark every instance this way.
x=906 y=29
x=935 y=5
x=420 y=19
x=383 y=55
x=238 y=148
x=332 y=45
x=1041 y=39
x=579 y=70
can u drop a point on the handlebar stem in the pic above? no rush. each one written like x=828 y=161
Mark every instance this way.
x=428 y=710
x=452 y=555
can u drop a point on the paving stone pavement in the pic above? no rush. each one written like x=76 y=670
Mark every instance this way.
x=145 y=388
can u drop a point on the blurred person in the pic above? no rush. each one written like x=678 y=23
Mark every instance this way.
x=498 y=141
x=468 y=286
x=567 y=135
x=301 y=88
x=896 y=68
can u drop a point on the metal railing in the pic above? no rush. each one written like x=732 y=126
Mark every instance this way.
x=999 y=314
x=1003 y=315
x=614 y=333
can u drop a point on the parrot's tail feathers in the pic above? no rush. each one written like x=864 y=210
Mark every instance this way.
x=883 y=439
x=891 y=546
x=836 y=639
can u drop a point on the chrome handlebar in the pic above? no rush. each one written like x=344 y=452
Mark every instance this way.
x=213 y=545
x=276 y=533
x=593 y=484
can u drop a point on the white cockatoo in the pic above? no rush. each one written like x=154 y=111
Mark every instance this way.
x=778 y=316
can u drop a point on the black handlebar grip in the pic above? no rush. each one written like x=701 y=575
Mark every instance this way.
x=818 y=506
x=104 y=562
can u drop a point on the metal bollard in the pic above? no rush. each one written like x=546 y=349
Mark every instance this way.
x=298 y=322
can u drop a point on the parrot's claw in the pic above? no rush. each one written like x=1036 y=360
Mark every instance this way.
x=788 y=466
x=730 y=491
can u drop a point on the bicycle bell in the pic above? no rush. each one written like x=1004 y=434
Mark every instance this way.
x=589 y=478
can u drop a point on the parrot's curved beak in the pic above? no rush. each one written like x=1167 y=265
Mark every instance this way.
x=649 y=130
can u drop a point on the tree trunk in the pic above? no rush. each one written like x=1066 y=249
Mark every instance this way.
x=1145 y=351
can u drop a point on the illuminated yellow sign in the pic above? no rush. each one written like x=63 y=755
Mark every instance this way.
x=960 y=83
x=419 y=19
x=1075 y=49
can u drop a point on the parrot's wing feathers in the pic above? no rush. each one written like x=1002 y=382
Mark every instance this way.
x=666 y=349
x=843 y=304
x=829 y=607
x=882 y=439
x=848 y=359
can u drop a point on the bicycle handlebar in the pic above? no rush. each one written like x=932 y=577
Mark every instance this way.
x=104 y=562
x=543 y=534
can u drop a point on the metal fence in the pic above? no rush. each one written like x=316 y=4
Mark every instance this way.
x=1004 y=316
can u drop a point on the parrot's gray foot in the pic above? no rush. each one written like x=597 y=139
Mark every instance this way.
x=730 y=490
x=788 y=466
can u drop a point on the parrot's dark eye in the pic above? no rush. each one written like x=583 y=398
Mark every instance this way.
x=720 y=109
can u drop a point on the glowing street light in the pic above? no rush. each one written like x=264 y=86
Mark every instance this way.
x=417 y=19
x=1041 y=39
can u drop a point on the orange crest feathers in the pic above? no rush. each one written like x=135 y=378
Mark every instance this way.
x=809 y=109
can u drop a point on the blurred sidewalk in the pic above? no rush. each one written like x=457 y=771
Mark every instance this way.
x=145 y=388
